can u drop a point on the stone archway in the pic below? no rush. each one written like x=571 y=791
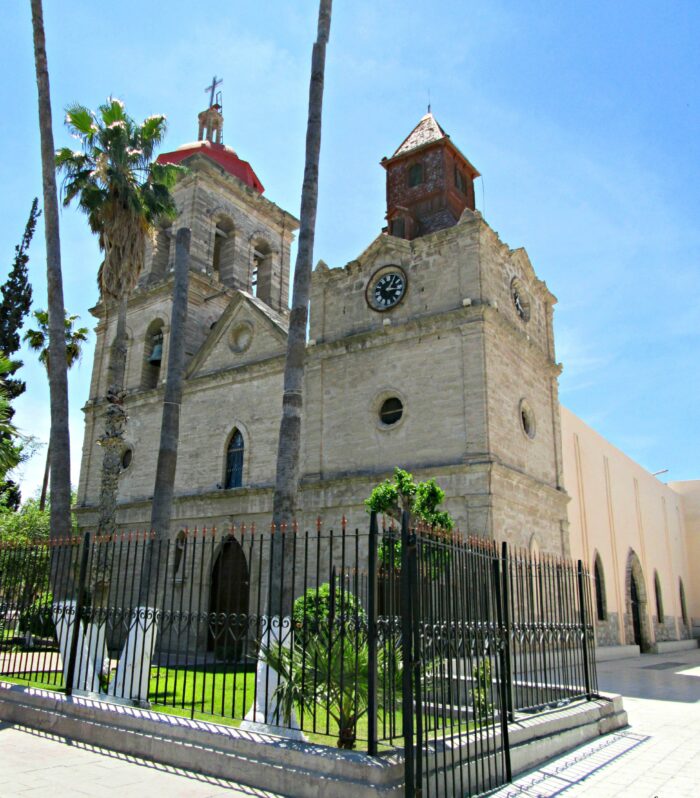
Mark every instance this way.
x=637 y=625
x=229 y=597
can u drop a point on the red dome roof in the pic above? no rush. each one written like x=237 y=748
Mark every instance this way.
x=220 y=154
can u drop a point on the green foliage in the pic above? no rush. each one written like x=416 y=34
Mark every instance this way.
x=483 y=708
x=117 y=185
x=420 y=499
x=10 y=439
x=36 y=619
x=330 y=672
x=15 y=302
x=311 y=611
x=38 y=340
x=27 y=525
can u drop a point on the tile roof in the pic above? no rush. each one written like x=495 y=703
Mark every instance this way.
x=425 y=132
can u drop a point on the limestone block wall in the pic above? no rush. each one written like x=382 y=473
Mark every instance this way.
x=441 y=269
x=518 y=373
x=500 y=266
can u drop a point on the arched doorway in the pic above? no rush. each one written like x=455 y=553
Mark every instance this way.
x=638 y=630
x=228 y=602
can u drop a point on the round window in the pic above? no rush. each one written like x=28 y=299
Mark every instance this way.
x=127 y=457
x=527 y=419
x=241 y=337
x=391 y=411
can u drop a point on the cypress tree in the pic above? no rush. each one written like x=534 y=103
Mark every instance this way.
x=15 y=302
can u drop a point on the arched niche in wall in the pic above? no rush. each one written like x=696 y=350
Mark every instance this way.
x=223 y=249
x=601 y=602
x=152 y=355
x=636 y=604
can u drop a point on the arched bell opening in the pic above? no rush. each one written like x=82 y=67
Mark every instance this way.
x=229 y=599
x=152 y=356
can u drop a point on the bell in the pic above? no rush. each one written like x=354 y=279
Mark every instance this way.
x=156 y=354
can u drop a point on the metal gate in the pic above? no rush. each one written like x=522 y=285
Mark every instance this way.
x=488 y=636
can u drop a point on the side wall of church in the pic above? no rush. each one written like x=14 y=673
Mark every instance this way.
x=622 y=514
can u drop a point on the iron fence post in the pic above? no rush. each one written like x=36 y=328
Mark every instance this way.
x=372 y=637
x=504 y=657
x=407 y=653
x=70 y=670
x=505 y=574
x=584 y=629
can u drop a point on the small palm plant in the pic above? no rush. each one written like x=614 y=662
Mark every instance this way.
x=328 y=671
x=327 y=664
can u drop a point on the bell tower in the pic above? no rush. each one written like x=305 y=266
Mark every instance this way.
x=429 y=182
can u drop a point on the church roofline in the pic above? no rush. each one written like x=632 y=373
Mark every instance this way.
x=197 y=162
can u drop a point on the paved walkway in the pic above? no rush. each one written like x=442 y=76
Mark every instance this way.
x=659 y=755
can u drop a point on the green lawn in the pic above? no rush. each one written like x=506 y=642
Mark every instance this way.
x=221 y=695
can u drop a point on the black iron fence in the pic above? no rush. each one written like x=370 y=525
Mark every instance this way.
x=400 y=637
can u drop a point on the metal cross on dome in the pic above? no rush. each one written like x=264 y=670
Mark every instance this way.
x=212 y=89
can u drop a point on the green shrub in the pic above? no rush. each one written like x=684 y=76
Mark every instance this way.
x=36 y=618
x=311 y=611
x=483 y=708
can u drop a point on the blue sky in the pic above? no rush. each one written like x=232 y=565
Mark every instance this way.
x=583 y=118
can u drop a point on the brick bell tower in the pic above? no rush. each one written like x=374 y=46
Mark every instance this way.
x=429 y=182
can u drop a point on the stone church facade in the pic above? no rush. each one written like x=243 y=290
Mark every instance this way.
x=433 y=351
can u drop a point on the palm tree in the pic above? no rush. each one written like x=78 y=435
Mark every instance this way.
x=123 y=193
x=58 y=373
x=37 y=340
x=287 y=476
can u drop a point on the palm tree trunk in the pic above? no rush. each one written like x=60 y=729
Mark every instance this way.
x=45 y=482
x=161 y=508
x=112 y=440
x=132 y=676
x=288 y=452
x=58 y=378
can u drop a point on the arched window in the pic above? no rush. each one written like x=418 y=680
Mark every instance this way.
x=180 y=555
x=599 y=577
x=415 y=174
x=659 y=598
x=152 y=356
x=222 y=256
x=261 y=271
x=684 y=608
x=234 y=461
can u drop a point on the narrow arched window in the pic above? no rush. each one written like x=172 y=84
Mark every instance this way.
x=659 y=598
x=599 y=577
x=684 y=608
x=180 y=554
x=261 y=272
x=223 y=252
x=234 y=461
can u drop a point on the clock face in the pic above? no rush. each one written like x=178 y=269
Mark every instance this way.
x=386 y=288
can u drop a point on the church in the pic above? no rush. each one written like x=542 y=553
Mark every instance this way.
x=433 y=350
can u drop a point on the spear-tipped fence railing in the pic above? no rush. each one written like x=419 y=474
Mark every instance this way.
x=398 y=637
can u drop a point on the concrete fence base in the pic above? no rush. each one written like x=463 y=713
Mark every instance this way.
x=278 y=764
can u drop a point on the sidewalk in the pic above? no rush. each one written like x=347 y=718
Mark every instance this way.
x=659 y=755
